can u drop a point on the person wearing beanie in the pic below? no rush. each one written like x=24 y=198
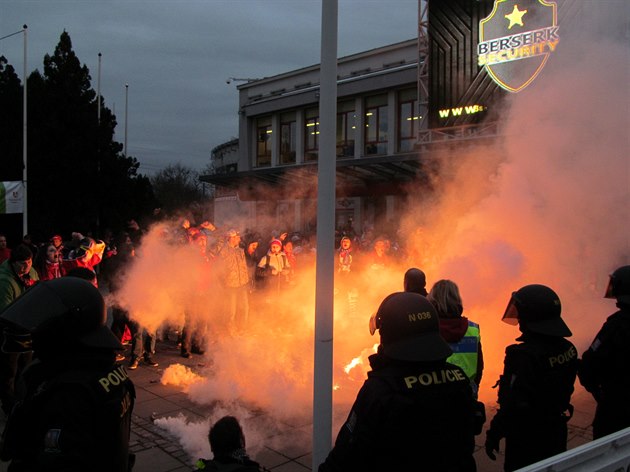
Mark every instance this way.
x=274 y=267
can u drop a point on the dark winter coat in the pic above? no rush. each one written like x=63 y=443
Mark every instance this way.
x=534 y=399
x=604 y=372
x=408 y=416
x=75 y=416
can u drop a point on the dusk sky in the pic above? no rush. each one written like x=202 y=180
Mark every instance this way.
x=177 y=55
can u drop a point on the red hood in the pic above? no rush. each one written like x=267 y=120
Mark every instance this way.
x=453 y=329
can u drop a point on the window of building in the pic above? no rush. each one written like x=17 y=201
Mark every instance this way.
x=408 y=119
x=311 y=134
x=346 y=127
x=376 y=125
x=287 y=138
x=263 y=142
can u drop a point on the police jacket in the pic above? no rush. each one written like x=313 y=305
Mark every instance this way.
x=408 y=416
x=536 y=385
x=75 y=416
x=604 y=367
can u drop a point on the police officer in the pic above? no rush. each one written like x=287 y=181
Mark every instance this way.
x=604 y=367
x=537 y=382
x=75 y=414
x=415 y=411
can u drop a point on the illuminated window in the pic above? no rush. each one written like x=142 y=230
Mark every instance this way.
x=346 y=127
x=408 y=119
x=263 y=142
x=376 y=125
x=311 y=134
x=287 y=138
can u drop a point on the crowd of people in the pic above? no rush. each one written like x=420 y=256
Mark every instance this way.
x=423 y=386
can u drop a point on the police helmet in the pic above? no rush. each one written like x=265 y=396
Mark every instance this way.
x=537 y=308
x=619 y=285
x=409 y=328
x=59 y=310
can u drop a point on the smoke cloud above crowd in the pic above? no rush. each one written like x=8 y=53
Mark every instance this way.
x=546 y=203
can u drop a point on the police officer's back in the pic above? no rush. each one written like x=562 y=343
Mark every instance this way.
x=604 y=370
x=76 y=410
x=415 y=411
x=537 y=381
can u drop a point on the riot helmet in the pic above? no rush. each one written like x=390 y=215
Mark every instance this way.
x=536 y=308
x=64 y=310
x=619 y=285
x=409 y=328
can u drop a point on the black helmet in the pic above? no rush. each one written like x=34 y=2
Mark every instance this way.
x=619 y=285
x=409 y=328
x=62 y=309
x=538 y=308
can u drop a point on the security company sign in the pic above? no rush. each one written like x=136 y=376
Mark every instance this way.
x=516 y=40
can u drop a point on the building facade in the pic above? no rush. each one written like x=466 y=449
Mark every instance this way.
x=271 y=179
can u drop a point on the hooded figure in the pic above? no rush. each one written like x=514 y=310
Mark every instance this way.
x=411 y=401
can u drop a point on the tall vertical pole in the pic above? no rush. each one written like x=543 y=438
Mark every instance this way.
x=98 y=91
x=324 y=283
x=126 y=110
x=98 y=188
x=24 y=148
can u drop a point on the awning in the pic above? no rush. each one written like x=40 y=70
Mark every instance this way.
x=384 y=175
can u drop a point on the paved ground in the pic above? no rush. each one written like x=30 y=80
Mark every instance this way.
x=157 y=451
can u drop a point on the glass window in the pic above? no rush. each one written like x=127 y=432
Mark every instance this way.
x=408 y=119
x=376 y=126
x=263 y=142
x=346 y=127
x=287 y=138
x=311 y=134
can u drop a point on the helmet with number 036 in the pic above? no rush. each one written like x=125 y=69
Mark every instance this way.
x=62 y=312
x=536 y=308
x=619 y=285
x=409 y=328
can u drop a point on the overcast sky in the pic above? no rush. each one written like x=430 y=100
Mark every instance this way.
x=177 y=55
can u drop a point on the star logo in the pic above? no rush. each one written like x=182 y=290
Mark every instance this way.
x=516 y=17
x=513 y=53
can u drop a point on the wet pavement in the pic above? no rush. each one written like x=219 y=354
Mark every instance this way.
x=287 y=448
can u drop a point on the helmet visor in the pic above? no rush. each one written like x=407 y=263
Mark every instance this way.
x=375 y=323
x=511 y=312
x=609 y=290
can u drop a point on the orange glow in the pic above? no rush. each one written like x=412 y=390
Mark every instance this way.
x=545 y=204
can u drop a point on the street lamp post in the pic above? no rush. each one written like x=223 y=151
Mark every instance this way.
x=24 y=134
x=126 y=109
x=24 y=148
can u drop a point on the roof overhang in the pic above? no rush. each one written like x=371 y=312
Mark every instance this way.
x=355 y=177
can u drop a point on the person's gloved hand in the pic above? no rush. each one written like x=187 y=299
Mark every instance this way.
x=492 y=446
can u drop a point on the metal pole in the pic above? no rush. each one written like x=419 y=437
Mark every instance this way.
x=126 y=109
x=98 y=91
x=24 y=148
x=324 y=283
